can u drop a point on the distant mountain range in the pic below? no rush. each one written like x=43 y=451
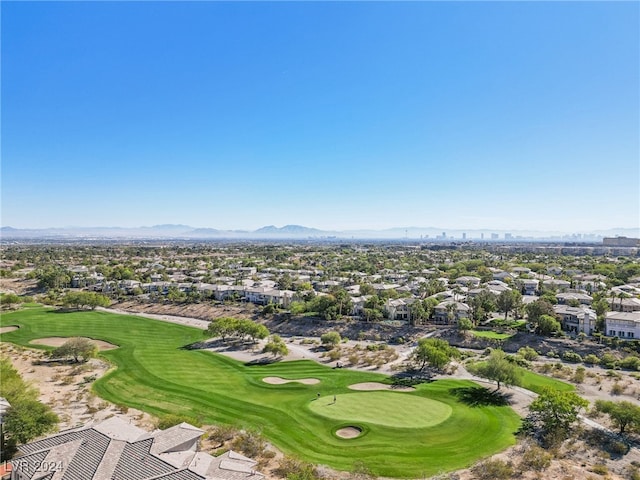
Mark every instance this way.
x=170 y=231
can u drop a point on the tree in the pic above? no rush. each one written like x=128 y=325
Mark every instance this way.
x=553 y=413
x=222 y=327
x=509 y=300
x=538 y=308
x=482 y=305
x=548 y=325
x=434 y=352
x=78 y=348
x=330 y=339
x=81 y=300
x=464 y=324
x=499 y=369
x=343 y=301
x=276 y=347
x=53 y=277
x=254 y=331
x=622 y=414
x=28 y=419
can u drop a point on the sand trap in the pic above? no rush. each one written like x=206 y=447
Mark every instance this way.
x=370 y=386
x=349 y=432
x=58 y=341
x=8 y=329
x=281 y=381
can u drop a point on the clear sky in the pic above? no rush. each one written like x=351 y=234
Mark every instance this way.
x=333 y=115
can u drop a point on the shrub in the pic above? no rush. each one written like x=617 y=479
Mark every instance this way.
x=535 y=458
x=608 y=361
x=578 y=376
x=528 y=353
x=294 y=469
x=617 y=389
x=591 y=359
x=630 y=363
x=600 y=469
x=330 y=339
x=171 y=420
x=493 y=470
x=335 y=354
x=572 y=357
x=249 y=443
x=222 y=433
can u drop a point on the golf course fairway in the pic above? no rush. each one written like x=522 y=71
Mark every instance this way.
x=404 y=435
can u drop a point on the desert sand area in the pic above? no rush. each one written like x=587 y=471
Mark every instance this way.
x=372 y=386
x=59 y=341
x=282 y=381
x=66 y=387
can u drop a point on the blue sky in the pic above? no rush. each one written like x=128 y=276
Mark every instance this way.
x=328 y=114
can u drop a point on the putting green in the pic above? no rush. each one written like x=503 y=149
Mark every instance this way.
x=383 y=408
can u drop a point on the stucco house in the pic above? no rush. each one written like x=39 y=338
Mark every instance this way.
x=115 y=449
x=623 y=325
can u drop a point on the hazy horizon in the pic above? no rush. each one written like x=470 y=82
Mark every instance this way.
x=332 y=115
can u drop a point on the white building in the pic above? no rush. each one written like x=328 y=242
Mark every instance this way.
x=623 y=325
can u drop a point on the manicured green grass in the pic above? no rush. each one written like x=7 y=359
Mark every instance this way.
x=491 y=334
x=157 y=374
x=383 y=408
x=536 y=382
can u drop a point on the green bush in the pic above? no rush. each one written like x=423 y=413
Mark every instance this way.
x=528 y=353
x=630 y=363
x=572 y=357
x=591 y=359
x=608 y=361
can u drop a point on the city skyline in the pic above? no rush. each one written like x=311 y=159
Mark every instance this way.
x=337 y=116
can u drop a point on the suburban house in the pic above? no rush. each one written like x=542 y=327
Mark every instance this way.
x=623 y=324
x=468 y=281
x=458 y=310
x=116 y=450
x=502 y=275
x=529 y=285
x=399 y=309
x=624 y=304
x=576 y=319
x=569 y=297
x=266 y=295
x=557 y=284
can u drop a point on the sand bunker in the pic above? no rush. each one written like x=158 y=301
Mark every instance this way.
x=281 y=381
x=369 y=386
x=58 y=341
x=349 y=432
x=8 y=329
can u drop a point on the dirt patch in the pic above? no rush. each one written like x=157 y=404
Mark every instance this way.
x=349 y=432
x=370 y=386
x=11 y=328
x=59 y=341
x=66 y=388
x=281 y=381
x=202 y=311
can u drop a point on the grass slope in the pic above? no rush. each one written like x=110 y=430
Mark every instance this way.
x=156 y=374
